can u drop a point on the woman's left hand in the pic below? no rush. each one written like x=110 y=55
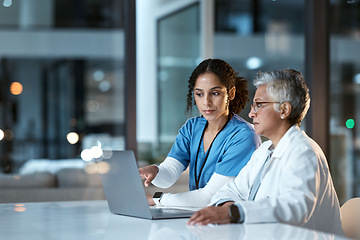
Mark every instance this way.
x=208 y=215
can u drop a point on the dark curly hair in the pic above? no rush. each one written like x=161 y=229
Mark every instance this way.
x=227 y=76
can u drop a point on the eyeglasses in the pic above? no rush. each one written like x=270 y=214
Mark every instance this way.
x=257 y=105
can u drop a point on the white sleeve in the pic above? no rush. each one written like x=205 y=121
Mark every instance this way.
x=196 y=198
x=169 y=172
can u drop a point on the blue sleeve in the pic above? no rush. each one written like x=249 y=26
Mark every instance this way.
x=239 y=151
x=181 y=148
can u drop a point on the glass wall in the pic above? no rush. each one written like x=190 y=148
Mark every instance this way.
x=344 y=97
x=251 y=35
x=62 y=79
x=178 y=55
x=260 y=36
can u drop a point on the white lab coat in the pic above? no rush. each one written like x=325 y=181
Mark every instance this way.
x=296 y=186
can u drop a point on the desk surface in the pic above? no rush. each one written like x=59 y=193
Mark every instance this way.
x=92 y=220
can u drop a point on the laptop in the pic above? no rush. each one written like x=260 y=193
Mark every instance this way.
x=124 y=189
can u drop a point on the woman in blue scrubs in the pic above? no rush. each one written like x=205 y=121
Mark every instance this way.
x=216 y=146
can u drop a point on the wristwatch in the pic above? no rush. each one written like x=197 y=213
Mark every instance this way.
x=234 y=213
x=157 y=197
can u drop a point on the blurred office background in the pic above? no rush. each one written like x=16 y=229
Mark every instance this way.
x=73 y=79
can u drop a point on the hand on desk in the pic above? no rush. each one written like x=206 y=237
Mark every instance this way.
x=208 y=215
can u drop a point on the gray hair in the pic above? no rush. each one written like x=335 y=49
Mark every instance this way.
x=286 y=85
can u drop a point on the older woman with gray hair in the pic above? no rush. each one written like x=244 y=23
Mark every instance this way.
x=287 y=179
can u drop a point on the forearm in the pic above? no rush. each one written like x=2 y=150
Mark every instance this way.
x=229 y=192
x=196 y=198
x=169 y=172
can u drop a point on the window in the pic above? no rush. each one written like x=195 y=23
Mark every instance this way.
x=67 y=59
x=344 y=95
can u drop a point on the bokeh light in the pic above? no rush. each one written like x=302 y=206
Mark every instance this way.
x=350 y=123
x=7 y=3
x=72 y=137
x=2 y=134
x=96 y=151
x=98 y=75
x=100 y=167
x=357 y=78
x=253 y=63
x=104 y=86
x=19 y=208
x=103 y=167
x=91 y=168
x=108 y=153
x=16 y=88
x=92 y=106
x=86 y=155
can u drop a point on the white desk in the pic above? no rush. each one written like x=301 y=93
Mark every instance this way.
x=92 y=220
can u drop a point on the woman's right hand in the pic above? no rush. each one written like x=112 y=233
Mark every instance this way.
x=148 y=173
x=150 y=200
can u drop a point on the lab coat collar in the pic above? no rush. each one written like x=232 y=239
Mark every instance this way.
x=285 y=141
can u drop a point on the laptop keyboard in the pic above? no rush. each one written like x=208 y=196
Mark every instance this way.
x=168 y=211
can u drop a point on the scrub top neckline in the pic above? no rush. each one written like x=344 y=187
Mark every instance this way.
x=197 y=177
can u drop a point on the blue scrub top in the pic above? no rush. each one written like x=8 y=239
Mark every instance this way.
x=230 y=151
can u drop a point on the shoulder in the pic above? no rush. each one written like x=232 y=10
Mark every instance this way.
x=192 y=124
x=195 y=121
x=239 y=123
x=299 y=143
x=298 y=138
x=302 y=140
x=240 y=128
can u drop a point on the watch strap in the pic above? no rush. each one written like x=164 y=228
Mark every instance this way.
x=157 y=197
x=234 y=213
